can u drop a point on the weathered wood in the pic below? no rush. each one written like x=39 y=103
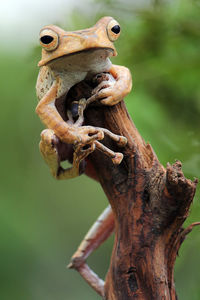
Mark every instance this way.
x=150 y=204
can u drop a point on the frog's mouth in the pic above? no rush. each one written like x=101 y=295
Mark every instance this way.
x=87 y=55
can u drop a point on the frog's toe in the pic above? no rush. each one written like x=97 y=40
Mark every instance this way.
x=101 y=86
x=49 y=138
x=82 y=152
x=108 y=101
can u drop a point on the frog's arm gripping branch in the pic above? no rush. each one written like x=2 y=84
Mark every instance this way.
x=49 y=115
x=51 y=118
x=122 y=86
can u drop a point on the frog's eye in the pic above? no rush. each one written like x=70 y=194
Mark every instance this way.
x=113 y=30
x=48 y=39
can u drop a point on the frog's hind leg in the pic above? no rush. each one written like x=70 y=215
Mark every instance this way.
x=49 y=150
x=98 y=233
x=78 y=156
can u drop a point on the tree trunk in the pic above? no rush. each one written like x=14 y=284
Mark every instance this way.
x=150 y=204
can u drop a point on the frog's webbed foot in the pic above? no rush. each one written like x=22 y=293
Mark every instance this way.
x=79 y=155
x=81 y=152
x=49 y=150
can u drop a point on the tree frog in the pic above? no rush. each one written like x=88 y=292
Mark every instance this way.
x=67 y=59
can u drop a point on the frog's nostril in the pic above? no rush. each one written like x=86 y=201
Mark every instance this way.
x=46 y=39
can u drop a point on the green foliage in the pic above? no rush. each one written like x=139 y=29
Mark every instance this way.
x=43 y=221
x=162 y=44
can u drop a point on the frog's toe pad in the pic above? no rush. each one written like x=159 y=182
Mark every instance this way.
x=118 y=158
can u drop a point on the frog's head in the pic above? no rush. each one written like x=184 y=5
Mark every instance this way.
x=57 y=43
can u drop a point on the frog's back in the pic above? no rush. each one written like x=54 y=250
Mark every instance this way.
x=44 y=82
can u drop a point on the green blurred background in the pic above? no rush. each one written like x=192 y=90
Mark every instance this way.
x=42 y=220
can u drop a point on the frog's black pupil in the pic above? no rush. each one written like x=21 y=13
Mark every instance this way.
x=116 y=29
x=46 y=39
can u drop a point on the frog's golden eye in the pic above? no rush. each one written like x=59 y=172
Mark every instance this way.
x=48 y=39
x=113 y=30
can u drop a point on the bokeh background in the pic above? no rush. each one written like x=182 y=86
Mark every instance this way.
x=42 y=221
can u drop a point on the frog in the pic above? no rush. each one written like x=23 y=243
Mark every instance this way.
x=69 y=57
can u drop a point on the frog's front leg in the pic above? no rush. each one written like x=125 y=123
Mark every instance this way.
x=49 y=150
x=110 y=92
x=69 y=134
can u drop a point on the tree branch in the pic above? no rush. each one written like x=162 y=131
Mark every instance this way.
x=150 y=204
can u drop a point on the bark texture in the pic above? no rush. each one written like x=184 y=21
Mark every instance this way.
x=150 y=204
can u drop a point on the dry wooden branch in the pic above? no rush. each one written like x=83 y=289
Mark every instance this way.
x=150 y=204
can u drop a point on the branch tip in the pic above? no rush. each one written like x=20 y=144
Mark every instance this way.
x=189 y=228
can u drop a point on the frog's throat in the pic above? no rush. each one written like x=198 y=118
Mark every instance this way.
x=45 y=62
